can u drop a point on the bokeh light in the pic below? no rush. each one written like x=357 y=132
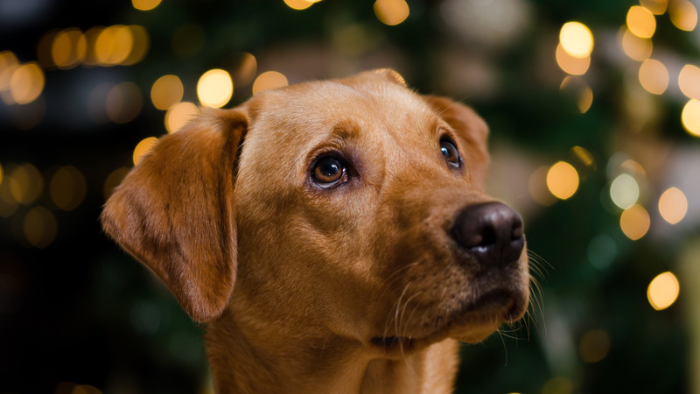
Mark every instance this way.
x=689 y=81
x=594 y=346
x=584 y=155
x=215 y=88
x=635 y=222
x=683 y=15
x=179 y=115
x=26 y=184
x=143 y=148
x=167 y=91
x=570 y=64
x=576 y=39
x=145 y=5
x=391 y=12
x=562 y=180
x=27 y=83
x=657 y=7
x=269 y=80
x=8 y=65
x=245 y=70
x=113 y=45
x=40 y=227
x=641 y=21
x=68 y=48
x=690 y=117
x=124 y=102
x=673 y=205
x=558 y=385
x=67 y=188
x=299 y=4
x=537 y=186
x=140 y=44
x=624 y=191
x=113 y=180
x=663 y=291
x=653 y=76
x=635 y=47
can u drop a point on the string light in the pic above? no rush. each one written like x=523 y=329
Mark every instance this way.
x=653 y=76
x=179 y=115
x=663 y=291
x=689 y=81
x=67 y=188
x=68 y=48
x=635 y=222
x=167 y=91
x=27 y=83
x=594 y=346
x=641 y=21
x=145 y=5
x=124 y=102
x=571 y=64
x=299 y=4
x=683 y=15
x=40 y=227
x=635 y=47
x=26 y=184
x=624 y=191
x=657 y=7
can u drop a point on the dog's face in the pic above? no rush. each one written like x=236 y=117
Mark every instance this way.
x=353 y=206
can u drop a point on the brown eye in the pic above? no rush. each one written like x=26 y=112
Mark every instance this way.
x=329 y=172
x=449 y=150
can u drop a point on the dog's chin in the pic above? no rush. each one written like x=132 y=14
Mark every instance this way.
x=473 y=323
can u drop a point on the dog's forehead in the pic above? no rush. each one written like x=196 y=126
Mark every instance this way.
x=316 y=110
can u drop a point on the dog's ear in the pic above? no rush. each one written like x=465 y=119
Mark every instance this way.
x=174 y=211
x=471 y=130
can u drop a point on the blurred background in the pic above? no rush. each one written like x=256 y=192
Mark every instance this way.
x=594 y=109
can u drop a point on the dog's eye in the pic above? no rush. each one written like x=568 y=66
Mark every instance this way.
x=449 y=150
x=329 y=172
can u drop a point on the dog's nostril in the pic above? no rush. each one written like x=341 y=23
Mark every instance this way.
x=491 y=232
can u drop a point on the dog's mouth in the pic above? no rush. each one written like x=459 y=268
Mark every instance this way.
x=471 y=323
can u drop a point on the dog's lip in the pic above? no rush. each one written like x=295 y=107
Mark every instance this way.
x=499 y=305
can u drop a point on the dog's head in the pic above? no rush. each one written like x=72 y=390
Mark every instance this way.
x=353 y=206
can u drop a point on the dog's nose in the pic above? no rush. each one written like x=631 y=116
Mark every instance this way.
x=491 y=232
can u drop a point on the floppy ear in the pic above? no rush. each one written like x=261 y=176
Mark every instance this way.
x=471 y=130
x=174 y=211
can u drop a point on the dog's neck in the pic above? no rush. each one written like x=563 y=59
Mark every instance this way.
x=247 y=357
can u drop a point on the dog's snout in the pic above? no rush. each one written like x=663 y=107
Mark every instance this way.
x=491 y=232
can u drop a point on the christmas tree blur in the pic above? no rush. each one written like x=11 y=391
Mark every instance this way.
x=594 y=112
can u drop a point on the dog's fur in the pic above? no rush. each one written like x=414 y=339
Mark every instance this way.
x=358 y=288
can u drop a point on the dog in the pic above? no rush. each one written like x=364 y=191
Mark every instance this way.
x=334 y=237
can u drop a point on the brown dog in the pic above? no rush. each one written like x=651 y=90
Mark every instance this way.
x=334 y=235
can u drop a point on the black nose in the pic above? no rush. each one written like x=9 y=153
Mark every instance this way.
x=491 y=232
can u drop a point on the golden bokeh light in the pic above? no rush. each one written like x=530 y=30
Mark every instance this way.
x=40 y=227
x=653 y=76
x=635 y=222
x=68 y=48
x=67 y=188
x=391 y=12
x=690 y=117
x=124 y=102
x=215 y=88
x=27 y=83
x=269 y=80
x=624 y=191
x=1 y=174
x=113 y=180
x=562 y=180
x=641 y=21
x=167 y=91
x=584 y=155
x=113 y=45
x=683 y=15
x=299 y=4
x=657 y=7
x=689 y=81
x=570 y=64
x=179 y=115
x=576 y=39
x=585 y=99
x=26 y=184
x=635 y=47
x=246 y=69
x=143 y=148
x=633 y=167
x=673 y=205
x=8 y=65
x=537 y=186
x=139 y=47
x=663 y=291
x=8 y=204
x=145 y=5
x=594 y=346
